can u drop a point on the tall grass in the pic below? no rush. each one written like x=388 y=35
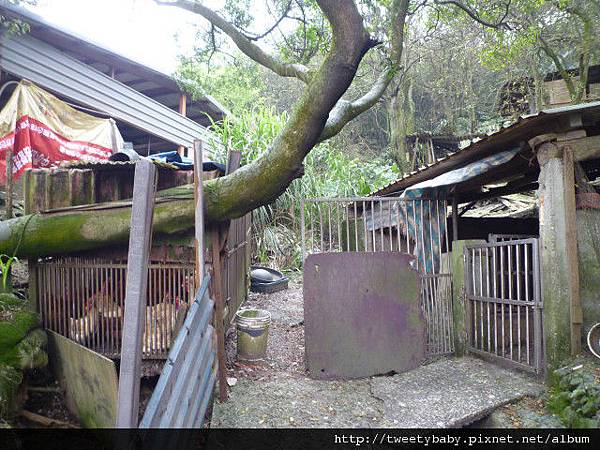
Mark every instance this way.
x=328 y=172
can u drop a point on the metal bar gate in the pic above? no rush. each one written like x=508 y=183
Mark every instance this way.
x=378 y=224
x=504 y=305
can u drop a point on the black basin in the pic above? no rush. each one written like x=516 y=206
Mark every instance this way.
x=266 y=280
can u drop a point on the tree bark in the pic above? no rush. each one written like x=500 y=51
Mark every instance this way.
x=402 y=123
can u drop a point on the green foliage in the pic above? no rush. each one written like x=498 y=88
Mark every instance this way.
x=237 y=86
x=6 y=263
x=16 y=320
x=575 y=397
x=10 y=380
x=10 y=26
x=502 y=48
x=328 y=172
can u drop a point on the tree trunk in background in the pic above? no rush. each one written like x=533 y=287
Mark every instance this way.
x=401 y=111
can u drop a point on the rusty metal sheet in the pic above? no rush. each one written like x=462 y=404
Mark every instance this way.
x=362 y=314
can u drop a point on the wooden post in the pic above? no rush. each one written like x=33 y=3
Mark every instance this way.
x=183 y=112
x=233 y=161
x=9 y=185
x=140 y=239
x=9 y=180
x=199 y=214
x=217 y=281
x=455 y=217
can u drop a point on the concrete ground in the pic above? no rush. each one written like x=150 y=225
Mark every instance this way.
x=451 y=392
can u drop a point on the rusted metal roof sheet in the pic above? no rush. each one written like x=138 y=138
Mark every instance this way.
x=522 y=130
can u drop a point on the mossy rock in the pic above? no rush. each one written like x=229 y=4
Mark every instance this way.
x=31 y=350
x=10 y=380
x=13 y=331
x=28 y=354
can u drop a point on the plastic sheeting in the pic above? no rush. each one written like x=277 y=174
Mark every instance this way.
x=42 y=131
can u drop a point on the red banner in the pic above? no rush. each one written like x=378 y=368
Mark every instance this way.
x=35 y=145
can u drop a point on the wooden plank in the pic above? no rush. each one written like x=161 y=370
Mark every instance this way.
x=219 y=308
x=140 y=238
x=234 y=160
x=183 y=112
x=584 y=149
x=88 y=379
x=199 y=215
x=175 y=390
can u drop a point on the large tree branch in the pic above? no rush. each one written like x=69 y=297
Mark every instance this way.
x=248 y=47
x=263 y=180
x=251 y=186
x=345 y=110
x=585 y=52
x=501 y=23
x=566 y=76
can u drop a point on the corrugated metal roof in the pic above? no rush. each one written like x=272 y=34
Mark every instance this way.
x=523 y=129
x=29 y=58
x=96 y=53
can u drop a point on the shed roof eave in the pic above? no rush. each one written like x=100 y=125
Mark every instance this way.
x=518 y=132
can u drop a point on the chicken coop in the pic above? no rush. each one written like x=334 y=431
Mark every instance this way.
x=82 y=295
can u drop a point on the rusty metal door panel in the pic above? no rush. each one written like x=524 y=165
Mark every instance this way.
x=362 y=314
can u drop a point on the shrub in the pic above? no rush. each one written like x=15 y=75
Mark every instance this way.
x=575 y=397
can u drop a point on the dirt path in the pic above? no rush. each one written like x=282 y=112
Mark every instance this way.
x=278 y=393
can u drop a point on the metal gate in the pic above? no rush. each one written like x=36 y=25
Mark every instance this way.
x=504 y=305
x=383 y=224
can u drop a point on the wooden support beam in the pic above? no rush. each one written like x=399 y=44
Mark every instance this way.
x=454 y=217
x=217 y=291
x=140 y=240
x=183 y=112
x=199 y=213
x=584 y=149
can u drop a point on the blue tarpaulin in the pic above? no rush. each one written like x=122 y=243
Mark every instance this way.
x=426 y=203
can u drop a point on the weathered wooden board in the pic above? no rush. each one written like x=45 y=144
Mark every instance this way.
x=362 y=314
x=88 y=379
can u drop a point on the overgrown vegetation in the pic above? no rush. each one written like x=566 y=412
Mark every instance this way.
x=328 y=172
x=575 y=395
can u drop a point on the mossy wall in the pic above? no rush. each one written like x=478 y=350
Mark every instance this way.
x=588 y=246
